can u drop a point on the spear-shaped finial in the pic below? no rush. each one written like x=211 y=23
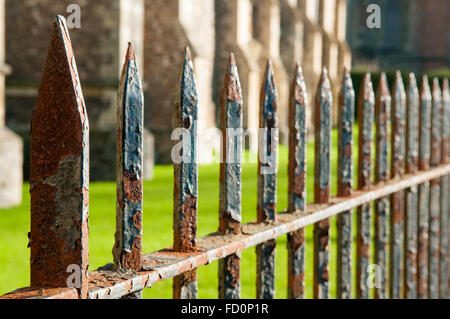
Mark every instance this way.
x=445 y=121
x=268 y=146
x=59 y=175
x=297 y=182
x=322 y=176
x=424 y=124
x=127 y=249
x=186 y=179
x=412 y=125
x=230 y=168
x=267 y=182
x=230 y=178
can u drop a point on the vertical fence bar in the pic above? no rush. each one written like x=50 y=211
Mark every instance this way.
x=322 y=176
x=345 y=186
x=424 y=189
x=411 y=194
x=297 y=183
x=230 y=178
x=267 y=183
x=128 y=247
x=397 y=199
x=366 y=109
x=435 y=189
x=59 y=172
x=127 y=250
x=186 y=179
x=382 y=116
x=445 y=185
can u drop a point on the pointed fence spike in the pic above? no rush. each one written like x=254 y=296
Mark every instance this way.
x=267 y=182
x=297 y=182
x=345 y=185
x=424 y=189
x=435 y=191
x=397 y=199
x=366 y=112
x=445 y=188
x=411 y=194
x=382 y=116
x=322 y=176
x=186 y=179
x=59 y=172
x=230 y=178
x=127 y=249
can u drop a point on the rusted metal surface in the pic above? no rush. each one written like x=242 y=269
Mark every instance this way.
x=366 y=110
x=445 y=189
x=397 y=199
x=322 y=121
x=167 y=263
x=345 y=185
x=230 y=178
x=267 y=183
x=42 y=293
x=186 y=180
x=435 y=190
x=59 y=171
x=297 y=142
x=297 y=183
x=411 y=194
x=382 y=115
x=424 y=189
x=127 y=249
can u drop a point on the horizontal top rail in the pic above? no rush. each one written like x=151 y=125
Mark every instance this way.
x=105 y=283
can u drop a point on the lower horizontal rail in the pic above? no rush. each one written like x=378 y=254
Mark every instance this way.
x=105 y=283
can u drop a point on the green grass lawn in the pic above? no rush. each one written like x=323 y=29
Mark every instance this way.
x=15 y=223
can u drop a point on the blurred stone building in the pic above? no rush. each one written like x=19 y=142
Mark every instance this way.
x=414 y=34
x=100 y=45
x=311 y=32
x=10 y=143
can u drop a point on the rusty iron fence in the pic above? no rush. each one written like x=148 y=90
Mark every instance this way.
x=410 y=194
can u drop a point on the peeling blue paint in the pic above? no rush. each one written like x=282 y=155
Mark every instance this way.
x=186 y=180
x=297 y=182
x=345 y=185
x=128 y=247
x=382 y=115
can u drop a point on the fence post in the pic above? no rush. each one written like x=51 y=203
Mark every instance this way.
x=297 y=183
x=186 y=179
x=230 y=178
x=435 y=189
x=445 y=184
x=345 y=186
x=366 y=109
x=397 y=199
x=267 y=183
x=382 y=115
x=411 y=194
x=59 y=172
x=322 y=176
x=424 y=189
x=127 y=250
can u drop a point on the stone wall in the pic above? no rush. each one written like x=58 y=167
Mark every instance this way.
x=171 y=26
x=311 y=32
x=100 y=45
